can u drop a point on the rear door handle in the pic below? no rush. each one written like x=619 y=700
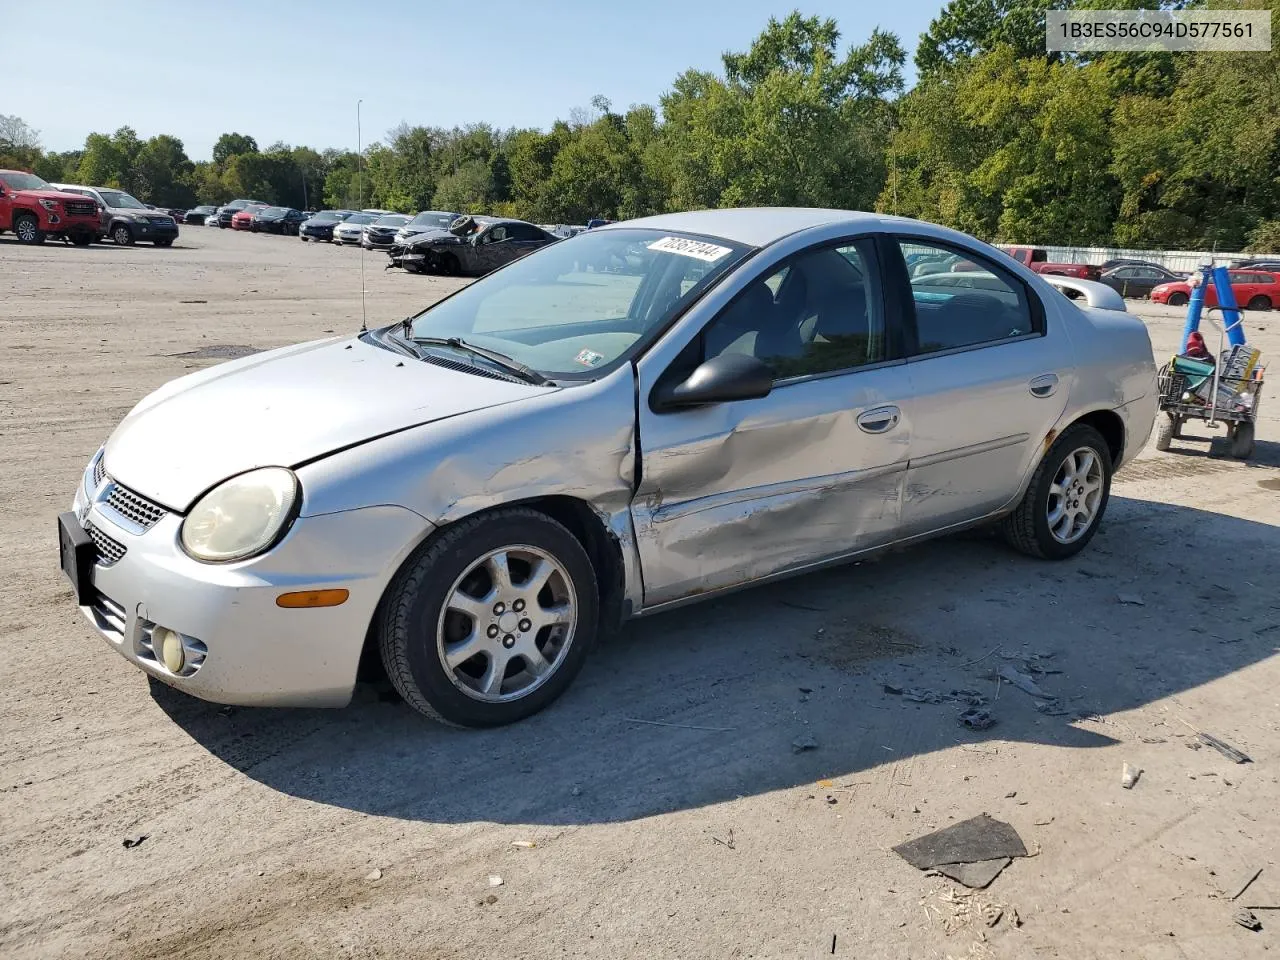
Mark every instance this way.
x=879 y=419
x=1044 y=386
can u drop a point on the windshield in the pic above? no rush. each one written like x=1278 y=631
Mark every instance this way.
x=395 y=220
x=329 y=217
x=120 y=199
x=361 y=218
x=574 y=308
x=274 y=212
x=25 y=181
x=429 y=219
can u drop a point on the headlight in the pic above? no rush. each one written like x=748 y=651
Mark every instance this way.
x=50 y=205
x=242 y=517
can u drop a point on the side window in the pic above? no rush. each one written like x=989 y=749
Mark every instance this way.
x=991 y=306
x=497 y=234
x=819 y=312
x=1127 y=273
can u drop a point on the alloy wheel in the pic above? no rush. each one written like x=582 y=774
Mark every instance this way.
x=1075 y=495
x=507 y=623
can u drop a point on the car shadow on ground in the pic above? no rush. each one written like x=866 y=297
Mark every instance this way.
x=729 y=686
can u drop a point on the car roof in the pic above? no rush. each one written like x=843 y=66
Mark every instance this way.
x=755 y=226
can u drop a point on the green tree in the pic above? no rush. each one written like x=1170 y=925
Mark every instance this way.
x=162 y=173
x=232 y=144
x=969 y=28
x=469 y=189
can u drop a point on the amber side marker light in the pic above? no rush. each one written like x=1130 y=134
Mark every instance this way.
x=312 y=598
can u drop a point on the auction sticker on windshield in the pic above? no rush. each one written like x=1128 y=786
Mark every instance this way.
x=589 y=358
x=698 y=249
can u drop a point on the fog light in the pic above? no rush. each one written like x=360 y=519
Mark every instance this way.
x=171 y=650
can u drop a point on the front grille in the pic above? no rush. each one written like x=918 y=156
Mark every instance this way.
x=468 y=368
x=99 y=471
x=109 y=551
x=81 y=208
x=135 y=506
x=162 y=221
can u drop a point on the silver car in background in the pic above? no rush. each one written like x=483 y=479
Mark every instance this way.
x=647 y=414
x=351 y=230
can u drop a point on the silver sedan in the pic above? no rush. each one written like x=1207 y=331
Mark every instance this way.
x=647 y=414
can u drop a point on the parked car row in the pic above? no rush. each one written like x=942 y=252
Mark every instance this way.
x=36 y=210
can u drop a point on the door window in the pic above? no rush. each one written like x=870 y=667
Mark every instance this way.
x=819 y=312
x=991 y=306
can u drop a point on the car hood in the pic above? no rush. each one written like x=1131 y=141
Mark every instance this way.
x=433 y=238
x=54 y=195
x=285 y=407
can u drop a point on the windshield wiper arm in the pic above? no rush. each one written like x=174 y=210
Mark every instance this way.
x=525 y=372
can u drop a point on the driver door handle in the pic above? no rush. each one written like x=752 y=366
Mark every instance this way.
x=1043 y=386
x=879 y=419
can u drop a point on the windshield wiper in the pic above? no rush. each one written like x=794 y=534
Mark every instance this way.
x=526 y=373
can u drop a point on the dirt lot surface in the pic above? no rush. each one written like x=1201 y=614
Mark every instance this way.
x=370 y=832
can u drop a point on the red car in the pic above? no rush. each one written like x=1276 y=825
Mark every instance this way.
x=33 y=210
x=1038 y=260
x=1254 y=290
x=243 y=220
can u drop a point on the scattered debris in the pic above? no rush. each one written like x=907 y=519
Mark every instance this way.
x=1011 y=794
x=1228 y=751
x=805 y=689
x=132 y=842
x=976 y=719
x=832 y=800
x=1129 y=776
x=991 y=914
x=801 y=744
x=724 y=843
x=924 y=695
x=576 y=792
x=523 y=844
x=1132 y=599
x=490 y=900
x=1014 y=918
x=1051 y=708
x=1247 y=884
x=495 y=880
x=973 y=851
x=1010 y=674
x=1044 y=823
x=1247 y=920
x=193 y=301
x=970 y=663
x=683 y=726
x=797 y=605
x=373 y=875
x=1267 y=628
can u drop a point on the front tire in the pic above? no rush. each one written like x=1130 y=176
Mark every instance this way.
x=122 y=235
x=1066 y=499
x=490 y=621
x=1178 y=299
x=27 y=229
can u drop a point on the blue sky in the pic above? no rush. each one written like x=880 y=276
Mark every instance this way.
x=292 y=70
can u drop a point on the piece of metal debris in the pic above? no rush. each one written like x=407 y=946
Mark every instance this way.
x=976 y=719
x=1228 y=751
x=1247 y=920
x=973 y=851
x=1022 y=681
x=495 y=880
x=1132 y=599
x=132 y=842
x=801 y=744
x=1129 y=776
x=523 y=844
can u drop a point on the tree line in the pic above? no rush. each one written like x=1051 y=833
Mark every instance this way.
x=996 y=138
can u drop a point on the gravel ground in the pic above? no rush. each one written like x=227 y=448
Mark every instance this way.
x=370 y=832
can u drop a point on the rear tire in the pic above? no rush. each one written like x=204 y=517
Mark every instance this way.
x=1166 y=430
x=428 y=624
x=1260 y=302
x=1029 y=529
x=27 y=229
x=1178 y=299
x=1242 y=441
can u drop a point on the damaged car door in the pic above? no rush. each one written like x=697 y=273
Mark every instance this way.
x=734 y=491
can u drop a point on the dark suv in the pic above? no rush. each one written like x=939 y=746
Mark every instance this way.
x=126 y=219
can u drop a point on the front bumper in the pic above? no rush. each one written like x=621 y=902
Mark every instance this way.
x=246 y=650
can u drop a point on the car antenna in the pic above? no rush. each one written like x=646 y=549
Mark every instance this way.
x=364 y=314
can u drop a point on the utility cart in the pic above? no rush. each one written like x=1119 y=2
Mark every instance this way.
x=1227 y=391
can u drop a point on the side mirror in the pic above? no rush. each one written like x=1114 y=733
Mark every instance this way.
x=728 y=377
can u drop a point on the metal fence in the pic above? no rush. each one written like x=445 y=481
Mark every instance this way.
x=1179 y=261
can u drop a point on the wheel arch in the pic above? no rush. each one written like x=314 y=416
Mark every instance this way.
x=576 y=516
